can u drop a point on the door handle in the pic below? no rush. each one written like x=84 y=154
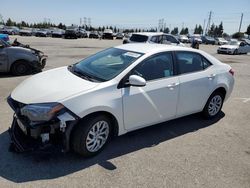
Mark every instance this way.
x=211 y=76
x=172 y=85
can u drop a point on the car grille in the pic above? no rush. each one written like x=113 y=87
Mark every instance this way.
x=223 y=48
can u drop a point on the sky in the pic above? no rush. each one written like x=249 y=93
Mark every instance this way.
x=131 y=13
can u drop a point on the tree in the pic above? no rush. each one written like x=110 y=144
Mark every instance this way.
x=238 y=35
x=248 y=30
x=175 y=31
x=198 y=29
x=184 y=31
x=220 y=30
x=9 y=22
x=166 y=30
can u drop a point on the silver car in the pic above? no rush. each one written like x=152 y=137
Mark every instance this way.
x=20 y=60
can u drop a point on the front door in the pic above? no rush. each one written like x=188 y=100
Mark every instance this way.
x=156 y=102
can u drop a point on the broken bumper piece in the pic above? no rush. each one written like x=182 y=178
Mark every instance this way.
x=25 y=138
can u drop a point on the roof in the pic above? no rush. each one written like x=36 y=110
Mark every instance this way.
x=151 y=48
x=149 y=33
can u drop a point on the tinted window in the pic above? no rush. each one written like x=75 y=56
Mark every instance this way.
x=154 y=39
x=138 y=38
x=191 y=62
x=156 y=67
x=169 y=38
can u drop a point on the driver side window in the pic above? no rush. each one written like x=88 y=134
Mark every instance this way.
x=156 y=67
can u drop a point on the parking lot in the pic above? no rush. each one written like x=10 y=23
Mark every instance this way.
x=187 y=152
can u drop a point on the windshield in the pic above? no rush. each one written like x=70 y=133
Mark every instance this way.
x=234 y=43
x=106 y=64
x=138 y=38
x=2 y=42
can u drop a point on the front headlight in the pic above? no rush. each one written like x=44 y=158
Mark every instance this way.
x=41 y=112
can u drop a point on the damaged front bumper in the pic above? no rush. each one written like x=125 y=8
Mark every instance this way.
x=26 y=136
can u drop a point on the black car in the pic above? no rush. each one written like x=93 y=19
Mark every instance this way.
x=41 y=33
x=108 y=34
x=208 y=40
x=94 y=35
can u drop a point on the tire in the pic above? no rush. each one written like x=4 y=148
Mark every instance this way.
x=87 y=135
x=20 y=68
x=235 y=52
x=213 y=105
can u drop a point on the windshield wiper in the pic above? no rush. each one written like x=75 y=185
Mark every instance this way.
x=82 y=74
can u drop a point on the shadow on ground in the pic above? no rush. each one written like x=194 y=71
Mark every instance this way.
x=39 y=166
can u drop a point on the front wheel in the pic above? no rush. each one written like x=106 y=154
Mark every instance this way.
x=20 y=68
x=91 y=135
x=235 y=52
x=213 y=105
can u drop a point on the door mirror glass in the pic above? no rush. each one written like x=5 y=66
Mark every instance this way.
x=137 y=81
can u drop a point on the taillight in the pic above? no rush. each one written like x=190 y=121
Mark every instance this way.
x=231 y=72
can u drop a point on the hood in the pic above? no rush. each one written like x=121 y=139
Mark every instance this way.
x=229 y=46
x=17 y=49
x=50 y=86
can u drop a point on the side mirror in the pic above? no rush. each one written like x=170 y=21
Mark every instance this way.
x=137 y=81
x=1 y=46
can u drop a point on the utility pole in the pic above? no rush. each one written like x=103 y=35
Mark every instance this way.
x=1 y=19
x=240 y=21
x=208 y=22
x=203 y=32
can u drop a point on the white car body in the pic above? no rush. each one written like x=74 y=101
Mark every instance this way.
x=235 y=47
x=221 y=41
x=149 y=38
x=133 y=107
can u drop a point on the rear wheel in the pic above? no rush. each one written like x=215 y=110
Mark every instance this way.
x=91 y=135
x=20 y=68
x=213 y=105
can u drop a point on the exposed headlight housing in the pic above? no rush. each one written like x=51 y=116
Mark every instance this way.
x=41 y=112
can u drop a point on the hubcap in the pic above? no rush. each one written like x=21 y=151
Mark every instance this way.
x=21 y=69
x=214 y=105
x=97 y=136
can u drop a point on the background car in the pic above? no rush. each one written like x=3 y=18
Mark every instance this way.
x=10 y=30
x=234 y=47
x=220 y=41
x=19 y=60
x=58 y=33
x=183 y=39
x=94 y=35
x=42 y=33
x=208 y=40
x=195 y=37
x=116 y=91
x=25 y=31
x=119 y=36
x=153 y=37
x=108 y=34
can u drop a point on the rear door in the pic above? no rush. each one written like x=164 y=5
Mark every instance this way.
x=196 y=82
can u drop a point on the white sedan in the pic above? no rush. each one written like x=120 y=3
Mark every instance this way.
x=116 y=91
x=234 y=47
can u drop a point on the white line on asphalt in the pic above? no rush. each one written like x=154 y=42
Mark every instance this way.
x=244 y=100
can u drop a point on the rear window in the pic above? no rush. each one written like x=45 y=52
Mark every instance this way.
x=138 y=38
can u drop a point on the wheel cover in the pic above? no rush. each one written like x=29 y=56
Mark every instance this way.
x=21 y=69
x=97 y=136
x=214 y=105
